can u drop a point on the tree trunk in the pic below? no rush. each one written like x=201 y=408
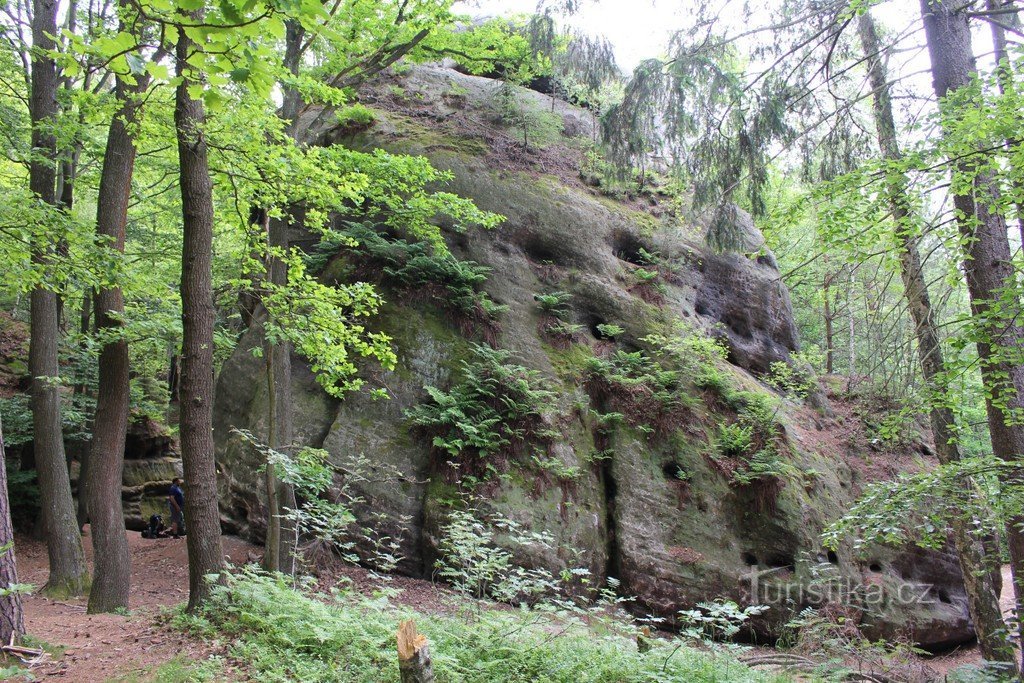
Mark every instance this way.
x=12 y=618
x=82 y=512
x=830 y=346
x=112 y=560
x=414 y=664
x=987 y=264
x=279 y=553
x=68 y=574
x=202 y=516
x=982 y=595
x=1004 y=70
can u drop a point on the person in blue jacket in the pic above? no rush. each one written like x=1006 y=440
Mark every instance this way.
x=176 y=501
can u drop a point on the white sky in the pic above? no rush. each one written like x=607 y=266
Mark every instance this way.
x=640 y=29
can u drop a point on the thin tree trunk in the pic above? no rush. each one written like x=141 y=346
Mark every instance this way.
x=112 y=560
x=982 y=595
x=987 y=265
x=12 y=618
x=1004 y=70
x=280 y=542
x=82 y=511
x=852 y=332
x=830 y=346
x=202 y=516
x=68 y=574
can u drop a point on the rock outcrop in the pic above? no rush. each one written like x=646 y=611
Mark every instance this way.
x=672 y=541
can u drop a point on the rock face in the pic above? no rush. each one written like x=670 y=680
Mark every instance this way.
x=151 y=462
x=671 y=541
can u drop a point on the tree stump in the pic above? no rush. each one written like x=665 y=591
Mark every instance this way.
x=413 y=655
x=643 y=640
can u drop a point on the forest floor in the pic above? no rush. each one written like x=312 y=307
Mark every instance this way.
x=141 y=646
x=87 y=648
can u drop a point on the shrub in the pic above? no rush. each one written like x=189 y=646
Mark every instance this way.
x=609 y=330
x=281 y=634
x=414 y=267
x=553 y=304
x=355 y=117
x=497 y=407
x=734 y=440
x=637 y=385
x=475 y=565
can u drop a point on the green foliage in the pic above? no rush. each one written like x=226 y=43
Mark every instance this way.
x=520 y=112
x=734 y=440
x=790 y=380
x=496 y=407
x=419 y=268
x=322 y=322
x=637 y=385
x=832 y=636
x=471 y=560
x=282 y=634
x=327 y=495
x=554 y=303
x=718 y=620
x=355 y=117
x=23 y=495
x=609 y=330
x=920 y=507
x=889 y=422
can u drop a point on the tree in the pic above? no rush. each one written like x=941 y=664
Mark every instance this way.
x=12 y=618
x=202 y=516
x=68 y=572
x=983 y=597
x=112 y=560
x=987 y=262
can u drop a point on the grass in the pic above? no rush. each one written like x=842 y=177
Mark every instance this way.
x=284 y=635
x=180 y=669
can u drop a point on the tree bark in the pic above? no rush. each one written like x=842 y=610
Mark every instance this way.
x=830 y=347
x=202 y=516
x=982 y=594
x=279 y=552
x=112 y=560
x=987 y=265
x=12 y=618
x=414 y=664
x=68 y=574
x=1004 y=70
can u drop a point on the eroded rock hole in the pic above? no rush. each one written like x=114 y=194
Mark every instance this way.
x=631 y=249
x=750 y=559
x=540 y=252
x=674 y=472
x=782 y=562
x=739 y=324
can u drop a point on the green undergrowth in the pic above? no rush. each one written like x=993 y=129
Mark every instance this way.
x=414 y=267
x=281 y=634
x=497 y=408
x=179 y=669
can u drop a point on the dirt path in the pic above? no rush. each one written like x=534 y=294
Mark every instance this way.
x=112 y=647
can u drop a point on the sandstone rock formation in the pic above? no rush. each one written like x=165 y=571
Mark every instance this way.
x=671 y=541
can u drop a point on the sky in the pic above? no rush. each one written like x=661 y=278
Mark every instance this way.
x=639 y=29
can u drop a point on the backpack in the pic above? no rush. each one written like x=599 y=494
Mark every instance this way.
x=156 y=527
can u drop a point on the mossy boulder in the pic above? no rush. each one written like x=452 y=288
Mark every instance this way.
x=650 y=509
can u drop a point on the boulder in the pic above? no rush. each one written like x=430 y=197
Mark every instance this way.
x=673 y=543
